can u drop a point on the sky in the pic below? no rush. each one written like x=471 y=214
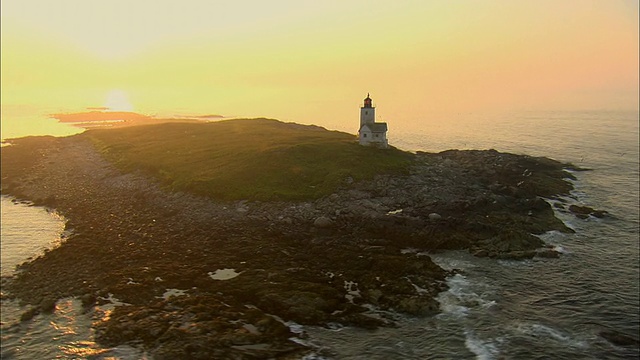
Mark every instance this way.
x=314 y=61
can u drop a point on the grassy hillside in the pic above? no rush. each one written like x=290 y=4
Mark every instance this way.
x=256 y=159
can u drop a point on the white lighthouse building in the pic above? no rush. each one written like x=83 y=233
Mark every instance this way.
x=371 y=133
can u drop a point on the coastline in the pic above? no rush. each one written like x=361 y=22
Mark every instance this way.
x=310 y=262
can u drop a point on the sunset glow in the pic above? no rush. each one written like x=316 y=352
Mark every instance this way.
x=117 y=100
x=312 y=62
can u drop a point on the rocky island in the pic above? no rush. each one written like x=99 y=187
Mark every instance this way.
x=214 y=237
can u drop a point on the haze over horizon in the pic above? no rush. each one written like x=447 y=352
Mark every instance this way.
x=314 y=61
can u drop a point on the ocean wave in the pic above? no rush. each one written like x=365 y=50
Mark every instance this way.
x=463 y=296
x=546 y=332
x=483 y=349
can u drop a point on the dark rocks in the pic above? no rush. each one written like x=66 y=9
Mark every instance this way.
x=435 y=217
x=584 y=212
x=29 y=314
x=547 y=253
x=323 y=222
x=418 y=306
x=88 y=300
x=310 y=262
x=199 y=327
x=619 y=338
x=516 y=255
x=365 y=321
x=48 y=304
x=299 y=306
x=481 y=253
x=512 y=244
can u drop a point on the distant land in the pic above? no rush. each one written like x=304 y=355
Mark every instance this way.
x=306 y=226
x=99 y=117
x=213 y=116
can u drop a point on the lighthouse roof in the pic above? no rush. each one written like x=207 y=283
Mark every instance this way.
x=375 y=127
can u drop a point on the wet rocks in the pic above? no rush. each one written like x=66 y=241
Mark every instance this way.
x=48 y=304
x=419 y=306
x=584 y=212
x=618 y=338
x=547 y=253
x=198 y=327
x=29 y=314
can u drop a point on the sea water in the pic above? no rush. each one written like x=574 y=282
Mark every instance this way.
x=540 y=308
x=533 y=309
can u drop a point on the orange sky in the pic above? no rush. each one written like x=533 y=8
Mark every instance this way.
x=314 y=61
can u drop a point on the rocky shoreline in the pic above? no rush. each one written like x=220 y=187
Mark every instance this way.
x=338 y=259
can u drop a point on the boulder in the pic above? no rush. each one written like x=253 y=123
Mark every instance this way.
x=583 y=212
x=435 y=216
x=516 y=255
x=618 y=338
x=548 y=253
x=323 y=222
x=48 y=304
x=481 y=253
x=29 y=314
x=418 y=305
x=364 y=321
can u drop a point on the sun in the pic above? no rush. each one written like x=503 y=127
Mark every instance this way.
x=117 y=100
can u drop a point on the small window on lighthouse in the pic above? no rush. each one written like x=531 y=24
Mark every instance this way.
x=366 y=112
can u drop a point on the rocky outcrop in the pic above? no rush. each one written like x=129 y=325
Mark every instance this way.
x=314 y=262
x=584 y=212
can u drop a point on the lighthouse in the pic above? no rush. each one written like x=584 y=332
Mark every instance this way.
x=371 y=133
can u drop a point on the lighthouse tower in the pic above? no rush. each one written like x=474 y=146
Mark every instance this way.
x=367 y=112
x=371 y=133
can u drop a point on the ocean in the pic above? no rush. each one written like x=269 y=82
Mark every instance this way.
x=532 y=309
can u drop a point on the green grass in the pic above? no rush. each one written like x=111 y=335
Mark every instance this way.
x=255 y=159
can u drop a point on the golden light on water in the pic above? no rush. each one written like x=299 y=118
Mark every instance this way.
x=84 y=350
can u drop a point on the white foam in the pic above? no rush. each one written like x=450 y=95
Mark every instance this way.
x=484 y=350
x=223 y=274
x=539 y=330
x=352 y=290
x=561 y=249
x=488 y=304
x=552 y=236
x=408 y=251
x=252 y=329
x=449 y=309
x=314 y=356
x=515 y=263
x=462 y=297
x=113 y=300
x=450 y=300
x=172 y=292
x=295 y=327
x=453 y=260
